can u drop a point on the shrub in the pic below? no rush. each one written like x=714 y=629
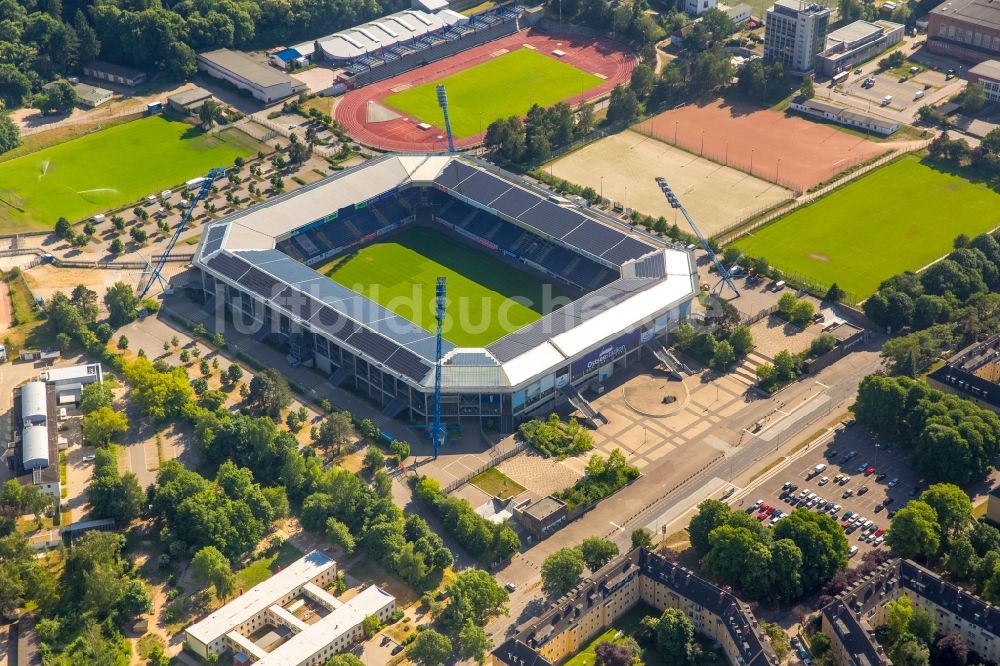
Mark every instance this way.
x=553 y=438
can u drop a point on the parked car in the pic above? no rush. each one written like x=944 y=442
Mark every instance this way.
x=893 y=483
x=869 y=471
x=88 y=458
x=825 y=480
x=880 y=476
x=862 y=490
x=847 y=493
x=853 y=551
x=511 y=587
x=862 y=467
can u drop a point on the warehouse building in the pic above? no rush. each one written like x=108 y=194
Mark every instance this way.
x=965 y=29
x=289 y=619
x=35 y=418
x=189 y=101
x=112 y=73
x=263 y=82
x=988 y=74
x=857 y=42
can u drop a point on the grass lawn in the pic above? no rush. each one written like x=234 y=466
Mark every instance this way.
x=504 y=86
x=110 y=168
x=900 y=217
x=496 y=483
x=260 y=570
x=400 y=274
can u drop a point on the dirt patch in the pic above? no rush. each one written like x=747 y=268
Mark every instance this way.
x=400 y=88
x=499 y=52
x=6 y=310
x=819 y=257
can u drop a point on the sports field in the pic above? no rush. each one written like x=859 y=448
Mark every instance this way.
x=109 y=168
x=900 y=217
x=507 y=85
x=400 y=274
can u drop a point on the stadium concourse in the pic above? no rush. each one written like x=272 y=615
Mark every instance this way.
x=630 y=290
x=609 y=60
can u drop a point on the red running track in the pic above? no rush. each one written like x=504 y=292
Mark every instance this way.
x=596 y=55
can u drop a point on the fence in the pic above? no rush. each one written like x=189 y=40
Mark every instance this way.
x=41 y=255
x=257 y=129
x=763 y=314
x=496 y=457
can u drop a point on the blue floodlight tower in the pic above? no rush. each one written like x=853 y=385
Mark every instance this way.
x=443 y=103
x=437 y=430
x=675 y=203
x=206 y=186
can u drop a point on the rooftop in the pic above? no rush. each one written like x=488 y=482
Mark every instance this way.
x=245 y=67
x=989 y=69
x=112 y=68
x=984 y=13
x=71 y=372
x=854 y=32
x=544 y=508
x=843 y=112
x=793 y=7
x=186 y=97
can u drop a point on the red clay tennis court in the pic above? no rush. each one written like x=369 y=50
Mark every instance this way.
x=608 y=59
x=784 y=149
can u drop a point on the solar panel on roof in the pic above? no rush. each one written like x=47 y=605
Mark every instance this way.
x=409 y=364
x=594 y=237
x=228 y=266
x=630 y=248
x=372 y=345
x=333 y=323
x=551 y=219
x=483 y=187
x=515 y=202
x=213 y=242
x=296 y=302
x=453 y=174
x=258 y=282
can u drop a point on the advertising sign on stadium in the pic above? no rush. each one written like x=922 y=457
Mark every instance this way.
x=473 y=237
x=384 y=195
x=605 y=354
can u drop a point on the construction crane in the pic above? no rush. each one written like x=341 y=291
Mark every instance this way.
x=437 y=429
x=206 y=187
x=443 y=103
x=675 y=203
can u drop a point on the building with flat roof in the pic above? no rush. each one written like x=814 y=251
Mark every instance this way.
x=698 y=7
x=289 y=619
x=857 y=42
x=112 y=73
x=973 y=373
x=820 y=108
x=189 y=101
x=965 y=29
x=641 y=576
x=988 y=74
x=543 y=517
x=794 y=33
x=739 y=14
x=851 y=619
x=263 y=82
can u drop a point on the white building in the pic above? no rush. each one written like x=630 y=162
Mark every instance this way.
x=265 y=83
x=794 y=33
x=70 y=380
x=868 y=122
x=290 y=619
x=698 y=7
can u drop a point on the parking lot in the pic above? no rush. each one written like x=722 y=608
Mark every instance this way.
x=850 y=453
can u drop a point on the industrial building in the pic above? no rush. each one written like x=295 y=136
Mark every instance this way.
x=189 y=101
x=868 y=122
x=35 y=458
x=851 y=619
x=256 y=266
x=265 y=83
x=973 y=373
x=988 y=74
x=641 y=576
x=857 y=42
x=112 y=73
x=965 y=29
x=289 y=619
x=794 y=33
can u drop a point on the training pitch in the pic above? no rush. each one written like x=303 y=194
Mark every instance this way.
x=900 y=217
x=487 y=299
x=504 y=86
x=110 y=168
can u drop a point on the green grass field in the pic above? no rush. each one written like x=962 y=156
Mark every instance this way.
x=504 y=86
x=900 y=217
x=109 y=168
x=400 y=274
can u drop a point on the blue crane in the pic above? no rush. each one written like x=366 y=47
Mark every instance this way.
x=443 y=103
x=206 y=186
x=437 y=429
x=675 y=203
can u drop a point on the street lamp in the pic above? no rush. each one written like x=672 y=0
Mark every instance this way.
x=776 y=170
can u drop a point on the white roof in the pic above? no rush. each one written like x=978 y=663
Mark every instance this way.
x=260 y=597
x=35 y=446
x=71 y=372
x=304 y=645
x=429 y=5
x=528 y=365
x=373 y=36
x=452 y=17
x=33 y=401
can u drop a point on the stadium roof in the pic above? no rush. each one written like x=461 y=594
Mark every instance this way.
x=381 y=33
x=241 y=250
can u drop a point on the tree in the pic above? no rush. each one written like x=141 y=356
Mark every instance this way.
x=786 y=563
x=344 y=659
x=473 y=643
x=374 y=459
x=897 y=618
x=776 y=635
x=822 y=542
x=10 y=134
x=961 y=559
x=336 y=430
x=340 y=535
x=741 y=340
x=952 y=650
x=642 y=80
x=475 y=597
x=915 y=531
x=371 y=625
x=623 y=105
x=642 y=538
x=952 y=506
x=675 y=637
x=269 y=393
x=209 y=112
x=597 y=552
x=909 y=651
x=611 y=654
x=96 y=395
x=59 y=97
x=923 y=626
x=400 y=449
x=974 y=99
x=210 y=567
x=135 y=599
x=561 y=570
x=430 y=648
x=122 y=304
x=808 y=89
x=722 y=356
x=15 y=87
x=101 y=425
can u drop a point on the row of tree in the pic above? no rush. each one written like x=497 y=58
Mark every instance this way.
x=947 y=438
x=984 y=158
x=541 y=131
x=794 y=558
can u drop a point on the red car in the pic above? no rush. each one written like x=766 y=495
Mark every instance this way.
x=869 y=471
x=769 y=510
x=880 y=531
x=761 y=516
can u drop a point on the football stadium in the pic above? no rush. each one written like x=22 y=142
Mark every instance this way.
x=545 y=298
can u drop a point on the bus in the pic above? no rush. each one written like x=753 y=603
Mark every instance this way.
x=840 y=78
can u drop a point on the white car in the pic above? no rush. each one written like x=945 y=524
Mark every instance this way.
x=88 y=458
x=853 y=551
x=825 y=480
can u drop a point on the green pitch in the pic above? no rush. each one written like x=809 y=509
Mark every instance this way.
x=901 y=217
x=499 y=88
x=108 y=169
x=400 y=274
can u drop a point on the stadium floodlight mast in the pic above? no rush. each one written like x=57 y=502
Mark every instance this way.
x=443 y=103
x=676 y=203
x=437 y=429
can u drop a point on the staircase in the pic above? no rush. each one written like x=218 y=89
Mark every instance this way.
x=395 y=406
x=667 y=358
x=380 y=216
x=576 y=399
x=747 y=369
x=338 y=377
